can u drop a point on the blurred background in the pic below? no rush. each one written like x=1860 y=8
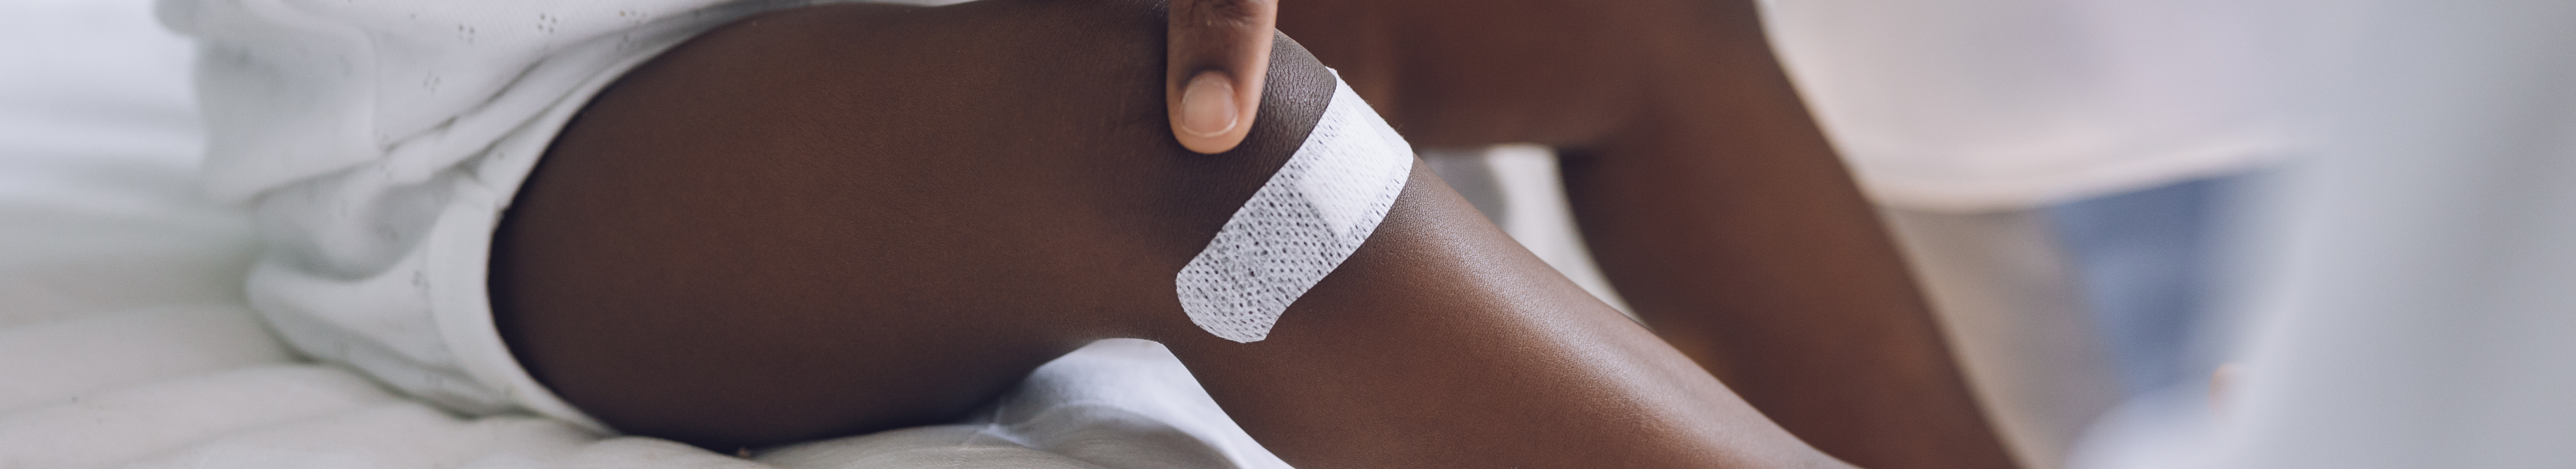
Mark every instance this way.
x=2368 y=207
x=2359 y=208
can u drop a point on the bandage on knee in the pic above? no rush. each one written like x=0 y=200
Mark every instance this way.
x=1300 y=225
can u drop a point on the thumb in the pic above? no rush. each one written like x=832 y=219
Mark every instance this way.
x=1219 y=54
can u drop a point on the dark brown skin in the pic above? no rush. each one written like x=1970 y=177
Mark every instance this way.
x=842 y=219
x=1706 y=192
x=806 y=224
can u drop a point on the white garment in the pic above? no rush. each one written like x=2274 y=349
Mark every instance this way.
x=2418 y=306
x=378 y=143
x=1978 y=105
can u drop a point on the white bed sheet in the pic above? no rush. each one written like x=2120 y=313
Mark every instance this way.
x=125 y=342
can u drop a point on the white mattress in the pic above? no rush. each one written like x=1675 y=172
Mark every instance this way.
x=124 y=340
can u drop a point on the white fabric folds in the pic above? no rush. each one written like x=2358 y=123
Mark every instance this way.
x=377 y=144
x=1300 y=225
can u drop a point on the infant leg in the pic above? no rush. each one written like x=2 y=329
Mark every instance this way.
x=850 y=218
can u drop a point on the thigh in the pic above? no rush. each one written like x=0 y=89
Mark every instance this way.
x=847 y=218
x=1470 y=73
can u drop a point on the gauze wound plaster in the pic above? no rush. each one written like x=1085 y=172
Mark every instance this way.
x=1300 y=225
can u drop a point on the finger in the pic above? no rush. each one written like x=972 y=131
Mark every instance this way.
x=1219 y=54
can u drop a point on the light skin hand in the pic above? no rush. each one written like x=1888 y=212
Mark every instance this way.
x=1219 y=52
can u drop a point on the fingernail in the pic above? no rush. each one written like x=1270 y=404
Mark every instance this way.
x=1207 y=105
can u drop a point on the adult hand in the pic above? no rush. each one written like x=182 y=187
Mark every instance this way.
x=1219 y=51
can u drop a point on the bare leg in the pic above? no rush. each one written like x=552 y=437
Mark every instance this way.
x=1707 y=193
x=843 y=219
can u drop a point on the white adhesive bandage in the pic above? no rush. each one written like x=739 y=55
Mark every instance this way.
x=1302 y=223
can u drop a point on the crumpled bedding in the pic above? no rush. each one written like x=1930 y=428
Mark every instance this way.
x=125 y=340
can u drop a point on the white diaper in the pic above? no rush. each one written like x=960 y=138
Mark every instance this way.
x=378 y=144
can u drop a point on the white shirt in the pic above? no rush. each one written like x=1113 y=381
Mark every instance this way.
x=1971 y=105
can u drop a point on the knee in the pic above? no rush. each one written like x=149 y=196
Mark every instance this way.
x=901 y=209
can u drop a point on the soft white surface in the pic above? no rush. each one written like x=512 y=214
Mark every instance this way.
x=125 y=340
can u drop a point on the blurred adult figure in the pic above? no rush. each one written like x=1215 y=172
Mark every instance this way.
x=2419 y=308
x=2051 y=167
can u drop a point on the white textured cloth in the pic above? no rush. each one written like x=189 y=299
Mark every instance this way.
x=377 y=144
x=1299 y=225
x=1976 y=105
